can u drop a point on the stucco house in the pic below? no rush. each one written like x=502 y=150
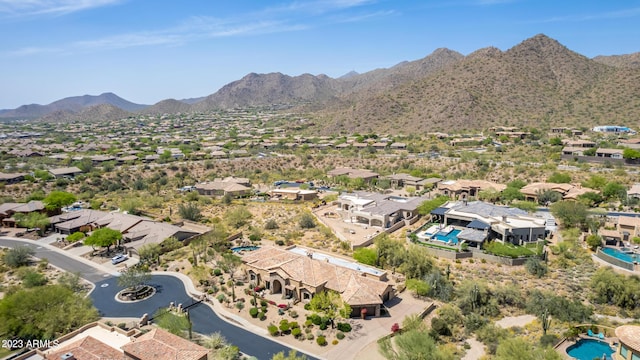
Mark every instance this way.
x=298 y=277
x=464 y=189
x=375 y=209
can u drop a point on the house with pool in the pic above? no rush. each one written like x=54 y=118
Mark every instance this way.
x=299 y=273
x=381 y=210
x=475 y=222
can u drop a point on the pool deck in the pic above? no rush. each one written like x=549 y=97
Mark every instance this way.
x=562 y=347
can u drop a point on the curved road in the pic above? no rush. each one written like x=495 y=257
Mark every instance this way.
x=169 y=289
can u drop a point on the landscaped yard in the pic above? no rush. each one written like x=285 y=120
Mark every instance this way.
x=508 y=250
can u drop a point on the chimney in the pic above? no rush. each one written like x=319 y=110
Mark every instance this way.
x=504 y=218
x=67 y=356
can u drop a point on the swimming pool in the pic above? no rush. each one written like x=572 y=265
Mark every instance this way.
x=244 y=248
x=449 y=238
x=588 y=349
x=626 y=257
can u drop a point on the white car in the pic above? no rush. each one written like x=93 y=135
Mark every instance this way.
x=118 y=259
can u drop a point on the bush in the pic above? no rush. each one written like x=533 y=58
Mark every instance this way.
x=321 y=340
x=310 y=336
x=263 y=303
x=284 y=327
x=307 y=221
x=335 y=342
x=536 y=267
x=308 y=323
x=323 y=326
x=307 y=306
x=315 y=319
x=271 y=224
x=340 y=335
x=548 y=340
x=280 y=242
x=217 y=272
x=253 y=312
x=273 y=330
x=18 y=256
x=76 y=236
x=262 y=316
x=293 y=314
x=296 y=332
x=344 y=327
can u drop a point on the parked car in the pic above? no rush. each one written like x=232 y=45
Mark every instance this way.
x=118 y=259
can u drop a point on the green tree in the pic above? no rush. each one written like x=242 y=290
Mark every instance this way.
x=307 y=221
x=134 y=277
x=630 y=154
x=366 y=256
x=570 y=213
x=330 y=304
x=71 y=281
x=18 y=256
x=190 y=211
x=391 y=253
x=103 y=237
x=150 y=252
x=237 y=216
x=548 y=197
x=56 y=200
x=429 y=205
x=594 y=241
x=35 y=220
x=595 y=181
x=510 y=194
x=559 y=178
x=45 y=312
x=417 y=263
x=614 y=190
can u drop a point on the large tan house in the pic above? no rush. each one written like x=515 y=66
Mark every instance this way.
x=532 y=191
x=299 y=277
x=463 y=189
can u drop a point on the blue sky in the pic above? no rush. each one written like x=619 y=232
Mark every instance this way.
x=149 y=50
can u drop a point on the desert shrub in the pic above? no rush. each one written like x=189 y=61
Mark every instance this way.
x=293 y=314
x=321 y=340
x=284 y=326
x=344 y=327
x=315 y=319
x=262 y=316
x=335 y=342
x=548 y=340
x=296 y=332
x=323 y=326
x=217 y=272
x=536 y=267
x=273 y=330
x=271 y=224
x=340 y=335
x=310 y=336
x=253 y=312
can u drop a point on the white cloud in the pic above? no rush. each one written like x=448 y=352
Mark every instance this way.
x=295 y=16
x=618 y=14
x=49 y=7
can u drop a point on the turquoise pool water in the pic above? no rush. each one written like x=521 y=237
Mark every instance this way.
x=587 y=349
x=446 y=238
x=244 y=248
x=630 y=258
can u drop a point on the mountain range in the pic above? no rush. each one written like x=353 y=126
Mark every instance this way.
x=537 y=82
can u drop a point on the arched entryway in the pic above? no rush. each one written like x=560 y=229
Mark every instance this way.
x=276 y=287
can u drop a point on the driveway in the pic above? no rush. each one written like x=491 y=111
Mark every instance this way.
x=169 y=289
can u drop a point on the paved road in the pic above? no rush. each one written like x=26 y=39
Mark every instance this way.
x=205 y=321
x=60 y=260
x=169 y=289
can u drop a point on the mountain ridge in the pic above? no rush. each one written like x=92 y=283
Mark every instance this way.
x=538 y=81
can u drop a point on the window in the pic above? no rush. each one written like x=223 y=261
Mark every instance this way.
x=623 y=351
